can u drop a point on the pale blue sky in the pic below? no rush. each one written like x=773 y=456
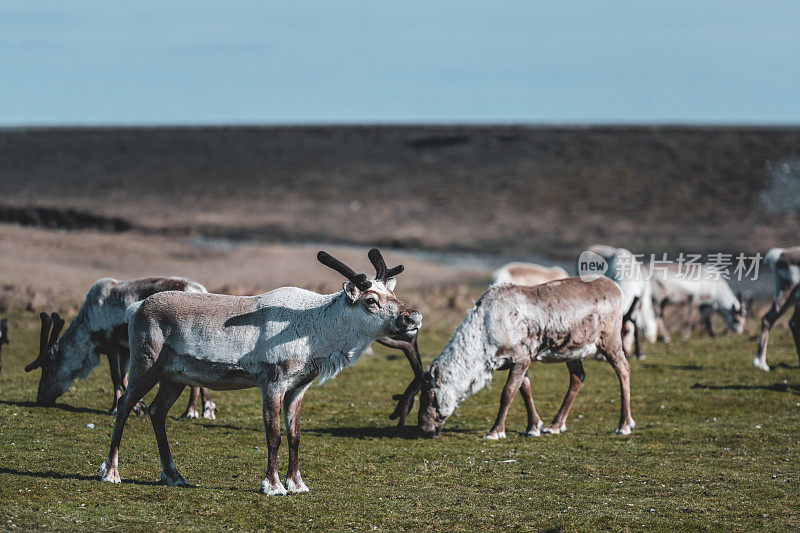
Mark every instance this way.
x=231 y=62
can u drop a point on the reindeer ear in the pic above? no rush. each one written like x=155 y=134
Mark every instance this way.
x=390 y=283
x=351 y=291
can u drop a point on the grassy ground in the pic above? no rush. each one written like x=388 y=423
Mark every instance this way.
x=716 y=446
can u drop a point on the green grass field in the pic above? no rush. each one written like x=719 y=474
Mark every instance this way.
x=716 y=446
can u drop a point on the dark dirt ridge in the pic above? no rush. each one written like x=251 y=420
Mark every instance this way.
x=511 y=189
x=61 y=218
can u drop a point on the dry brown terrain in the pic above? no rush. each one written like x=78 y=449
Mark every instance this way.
x=548 y=190
x=151 y=198
x=50 y=269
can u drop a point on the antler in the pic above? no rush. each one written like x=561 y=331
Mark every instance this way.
x=381 y=272
x=359 y=280
x=627 y=316
x=405 y=401
x=47 y=337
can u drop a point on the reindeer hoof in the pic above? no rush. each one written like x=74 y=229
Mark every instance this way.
x=272 y=489
x=758 y=364
x=623 y=430
x=210 y=410
x=140 y=409
x=296 y=485
x=173 y=479
x=555 y=430
x=535 y=432
x=106 y=476
x=190 y=414
x=495 y=435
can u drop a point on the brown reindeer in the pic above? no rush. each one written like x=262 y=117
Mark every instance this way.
x=508 y=328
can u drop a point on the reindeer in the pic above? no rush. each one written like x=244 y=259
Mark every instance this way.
x=633 y=278
x=100 y=328
x=280 y=342
x=3 y=339
x=702 y=293
x=785 y=264
x=529 y=274
x=509 y=327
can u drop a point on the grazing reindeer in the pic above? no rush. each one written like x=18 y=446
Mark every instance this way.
x=633 y=278
x=511 y=326
x=702 y=291
x=3 y=339
x=785 y=264
x=280 y=342
x=100 y=328
x=528 y=274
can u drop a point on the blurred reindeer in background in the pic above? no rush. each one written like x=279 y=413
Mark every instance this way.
x=702 y=293
x=785 y=264
x=528 y=274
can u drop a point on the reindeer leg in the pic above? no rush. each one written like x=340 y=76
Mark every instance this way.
x=771 y=316
x=535 y=423
x=124 y=355
x=209 y=407
x=637 y=346
x=515 y=377
x=576 y=376
x=627 y=333
x=140 y=383
x=623 y=370
x=705 y=314
x=168 y=392
x=794 y=325
x=116 y=379
x=292 y=402
x=662 y=326
x=271 y=398
x=191 y=407
x=688 y=322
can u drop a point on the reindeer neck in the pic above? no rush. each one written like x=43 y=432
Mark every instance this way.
x=76 y=340
x=339 y=341
x=466 y=362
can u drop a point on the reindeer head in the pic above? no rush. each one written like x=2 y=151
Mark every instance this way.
x=52 y=383
x=736 y=316
x=374 y=300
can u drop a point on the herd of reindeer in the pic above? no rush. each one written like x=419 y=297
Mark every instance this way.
x=172 y=332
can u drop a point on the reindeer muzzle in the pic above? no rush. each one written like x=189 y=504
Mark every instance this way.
x=408 y=323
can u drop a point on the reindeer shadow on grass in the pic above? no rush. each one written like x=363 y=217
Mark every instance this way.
x=375 y=432
x=51 y=474
x=775 y=387
x=677 y=367
x=62 y=406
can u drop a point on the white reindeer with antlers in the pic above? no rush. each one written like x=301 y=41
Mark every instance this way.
x=100 y=327
x=280 y=342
